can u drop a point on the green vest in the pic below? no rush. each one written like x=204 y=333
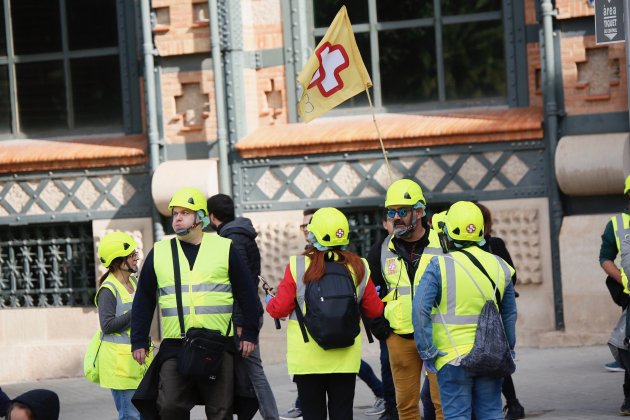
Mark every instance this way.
x=117 y=368
x=206 y=289
x=399 y=299
x=462 y=300
x=621 y=227
x=309 y=358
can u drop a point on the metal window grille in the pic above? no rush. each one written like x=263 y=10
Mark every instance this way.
x=366 y=229
x=47 y=265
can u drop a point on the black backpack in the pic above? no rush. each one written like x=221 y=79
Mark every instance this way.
x=332 y=309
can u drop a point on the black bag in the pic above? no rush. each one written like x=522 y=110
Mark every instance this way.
x=201 y=353
x=332 y=309
x=202 y=349
x=490 y=355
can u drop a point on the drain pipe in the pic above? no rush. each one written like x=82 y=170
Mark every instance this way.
x=151 y=106
x=225 y=180
x=551 y=131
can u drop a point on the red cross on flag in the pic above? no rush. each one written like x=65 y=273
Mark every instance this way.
x=334 y=73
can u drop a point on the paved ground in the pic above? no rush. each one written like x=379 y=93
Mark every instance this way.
x=562 y=383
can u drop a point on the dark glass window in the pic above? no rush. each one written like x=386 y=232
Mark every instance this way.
x=64 y=67
x=407 y=73
x=85 y=31
x=326 y=10
x=3 y=36
x=41 y=96
x=96 y=91
x=5 y=105
x=36 y=26
x=427 y=55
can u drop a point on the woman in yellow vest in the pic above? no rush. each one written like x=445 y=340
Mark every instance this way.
x=321 y=373
x=117 y=368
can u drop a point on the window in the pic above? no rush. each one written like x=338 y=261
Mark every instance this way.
x=63 y=66
x=442 y=52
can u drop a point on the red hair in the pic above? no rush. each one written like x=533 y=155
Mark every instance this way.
x=317 y=268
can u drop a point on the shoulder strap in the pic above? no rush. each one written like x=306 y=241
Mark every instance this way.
x=477 y=264
x=178 y=286
x=300 y=318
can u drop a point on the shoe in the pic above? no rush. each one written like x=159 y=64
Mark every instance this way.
x=513 y=410
x=292 y=413
x=614 y=366
x=377 y=409
x=625 y=408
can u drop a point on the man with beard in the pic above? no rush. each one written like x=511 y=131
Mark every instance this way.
x=397 y=264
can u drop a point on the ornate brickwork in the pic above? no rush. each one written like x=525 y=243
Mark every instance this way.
x=520 y=230
x=594 y=77
x=277 y=241
x=182 y=27
x=188 y=99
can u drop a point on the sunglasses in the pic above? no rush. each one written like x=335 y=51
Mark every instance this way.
x=391 y=213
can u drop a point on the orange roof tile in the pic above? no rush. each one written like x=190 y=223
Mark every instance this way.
x=72 y=153
x=346 y=134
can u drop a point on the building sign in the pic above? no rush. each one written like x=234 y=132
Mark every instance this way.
x=609 y=26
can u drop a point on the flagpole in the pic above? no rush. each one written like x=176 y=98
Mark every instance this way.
x=380 y=138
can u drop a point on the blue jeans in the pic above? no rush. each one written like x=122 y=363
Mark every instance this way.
x=122 y=399
x=460 y=391
x=266 y=400
x=366 y=374
x=428 y=410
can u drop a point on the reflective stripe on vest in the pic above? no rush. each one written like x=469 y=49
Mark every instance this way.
x=117 y=368
x=309 y=358
x=620 y=221
x=207 y=300
x=450 y=317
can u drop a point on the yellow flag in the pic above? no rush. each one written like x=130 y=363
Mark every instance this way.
x=335 y=72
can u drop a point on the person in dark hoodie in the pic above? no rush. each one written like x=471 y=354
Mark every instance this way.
x=243 y=235
x=36 y=404
x=5 y=402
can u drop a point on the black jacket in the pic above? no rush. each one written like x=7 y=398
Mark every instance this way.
x=243 y=236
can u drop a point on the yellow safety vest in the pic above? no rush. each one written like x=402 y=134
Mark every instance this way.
x=117 y=368
x=621 y=227
x=309 y=358
x=206 y=289
x=461 y=300
x=400 y=296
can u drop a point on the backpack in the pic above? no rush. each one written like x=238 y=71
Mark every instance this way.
x=490 y=355
x=332 y=309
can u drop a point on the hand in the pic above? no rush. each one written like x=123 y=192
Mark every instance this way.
x=430 y=366
x=239 y=330
x=140 y=355
x=268 y=298
x=246 y=347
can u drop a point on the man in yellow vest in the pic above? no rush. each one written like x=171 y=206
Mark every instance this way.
x=446 y=308
x=396 y=265
x=208 y=266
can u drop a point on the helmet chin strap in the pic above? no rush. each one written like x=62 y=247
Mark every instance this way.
x=184 y=232
x=128 y=269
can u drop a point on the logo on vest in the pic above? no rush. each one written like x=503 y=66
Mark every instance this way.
x=391 y=266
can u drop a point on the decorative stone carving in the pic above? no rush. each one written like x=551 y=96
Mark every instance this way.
x=520 y=231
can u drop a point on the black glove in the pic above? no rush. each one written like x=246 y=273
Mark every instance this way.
x=380 y=328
